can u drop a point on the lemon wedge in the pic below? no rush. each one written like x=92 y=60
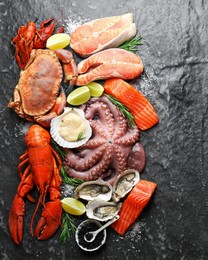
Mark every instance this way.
x=79 y=96
x=96 y=89
x=58 y=41
x=73 y=206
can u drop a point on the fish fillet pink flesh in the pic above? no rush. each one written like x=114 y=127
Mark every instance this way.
x=111 y=63
x=102 y=33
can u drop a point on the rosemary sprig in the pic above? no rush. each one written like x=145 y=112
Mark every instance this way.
x=68 y=180
x=132 y=45
x=123 y=109
x=67 y=227
x=58 y=149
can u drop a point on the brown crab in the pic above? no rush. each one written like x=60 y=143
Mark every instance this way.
x=38 y=95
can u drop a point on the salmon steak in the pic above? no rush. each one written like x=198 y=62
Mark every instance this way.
x=109 y=63
x=144 y=113
x=133 y=205
x=100 y=34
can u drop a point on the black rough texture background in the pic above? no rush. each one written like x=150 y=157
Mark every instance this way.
x=174 y=225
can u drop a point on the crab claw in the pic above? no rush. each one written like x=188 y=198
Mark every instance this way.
x=70 y=72
x=50 y=220
x=15 y=222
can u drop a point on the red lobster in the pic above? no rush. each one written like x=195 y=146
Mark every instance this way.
x=42 y=165
x=30 y=37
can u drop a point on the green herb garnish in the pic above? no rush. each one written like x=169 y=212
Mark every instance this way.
x=123 y=109
x=68 y=180
x=67 y=227
x=132 y=45
x=58 y=149
x=80 y=136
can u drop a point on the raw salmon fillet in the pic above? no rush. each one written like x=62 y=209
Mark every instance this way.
x=107 y=64
x=144 y=114
x=102 y=33
x=133 y=205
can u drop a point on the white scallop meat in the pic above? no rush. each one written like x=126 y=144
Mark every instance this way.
x=62 y=139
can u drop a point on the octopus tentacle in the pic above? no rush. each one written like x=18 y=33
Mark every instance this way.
x=83 y=163
x=93 y=143
x=130 y=138
x=95 y=172
x=104 y=116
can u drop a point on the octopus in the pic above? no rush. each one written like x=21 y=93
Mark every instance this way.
x=112 y=148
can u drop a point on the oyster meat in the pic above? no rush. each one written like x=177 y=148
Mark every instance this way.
x=102 y=210
x=91 y=190
x=124 y=184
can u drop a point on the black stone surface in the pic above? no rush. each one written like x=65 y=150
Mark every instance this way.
x=174 y=225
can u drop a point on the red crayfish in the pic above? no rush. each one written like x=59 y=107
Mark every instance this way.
x=42 y=166
x=29 y=37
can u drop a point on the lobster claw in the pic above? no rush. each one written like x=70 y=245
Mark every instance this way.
x=15 y=222
x=50 y=220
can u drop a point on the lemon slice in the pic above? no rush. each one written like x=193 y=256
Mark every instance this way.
x=79 y=96
x=58 y=41
x=96 y=89
x=73 y=206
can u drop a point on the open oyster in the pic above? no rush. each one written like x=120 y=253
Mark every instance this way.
x=71 y=129
x=91 y=190
x=102 y=210
x=124 y=184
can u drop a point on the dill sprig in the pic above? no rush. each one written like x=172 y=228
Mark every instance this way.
x=68 y=180
x=123 y=109
x=132 y=45
x=67 y=227
x=80 y=136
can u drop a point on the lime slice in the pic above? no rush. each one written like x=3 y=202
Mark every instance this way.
x=79 y=96
x=58 y=41
x=73 y=206
x=96 y=89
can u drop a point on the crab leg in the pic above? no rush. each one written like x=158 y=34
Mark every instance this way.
x=57 y=109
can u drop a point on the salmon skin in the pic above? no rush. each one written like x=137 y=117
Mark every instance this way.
x=144 y=114
x=133 y=205
x=100 y=34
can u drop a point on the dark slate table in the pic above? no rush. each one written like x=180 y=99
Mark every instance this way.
x=174 y=225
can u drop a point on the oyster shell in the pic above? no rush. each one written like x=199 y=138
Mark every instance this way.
x=102 y=210
x=71 y=129
x=124 y=184
x=91 y=190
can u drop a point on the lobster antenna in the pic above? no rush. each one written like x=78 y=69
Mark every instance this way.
x=52 y=215
x=33 y=216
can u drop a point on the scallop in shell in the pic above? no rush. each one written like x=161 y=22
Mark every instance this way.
x=102 y=210
x=71 y=129
x=91 y=190
x=124 y=184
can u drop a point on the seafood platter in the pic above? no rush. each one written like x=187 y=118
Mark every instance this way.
x=103 y=130
x=90 y=135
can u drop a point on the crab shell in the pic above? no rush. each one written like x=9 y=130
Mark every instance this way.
x=91 y=190
x=40 y=83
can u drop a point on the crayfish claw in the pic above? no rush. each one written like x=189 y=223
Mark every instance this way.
x=15 y=221
x=50 y=220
